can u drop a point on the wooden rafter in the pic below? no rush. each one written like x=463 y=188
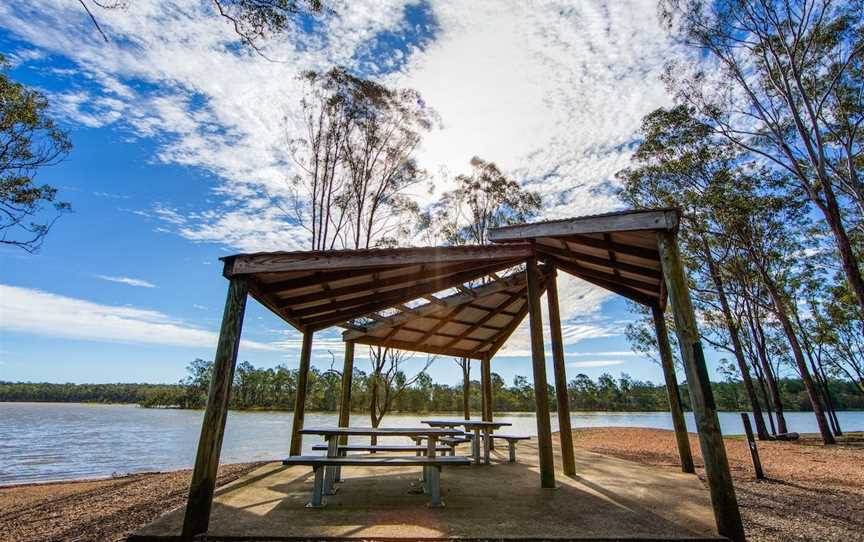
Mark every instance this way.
x=411 y=346
x=630 y=293
x=399 y=295
x=491 y=314
x=566 y=252
x=383 y=301
x=514 y=323
x=587 y=272
x=430 y=310
x=424 y=273
x=631 y=250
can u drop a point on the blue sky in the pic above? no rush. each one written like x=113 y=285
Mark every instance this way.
x=177 y=133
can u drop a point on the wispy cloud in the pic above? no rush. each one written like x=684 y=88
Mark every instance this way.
x=577 y=77
x=127 y=280
x=595 y=363
x=37 y=312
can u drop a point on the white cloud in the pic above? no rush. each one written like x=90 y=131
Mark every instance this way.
x=595 y=363
x=551 y=91
x=126 y=280
x=611 y=353
x=36 y=312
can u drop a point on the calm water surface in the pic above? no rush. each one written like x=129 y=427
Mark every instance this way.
x=62 y=441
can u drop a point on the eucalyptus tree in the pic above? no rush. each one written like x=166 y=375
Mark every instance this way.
x=782 y=79
x=764 y=226
x=30 y=140
x=353 y=160
x=679 y=164
x=483 y=199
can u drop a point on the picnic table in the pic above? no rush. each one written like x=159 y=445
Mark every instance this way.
x=475 y=426
x=332 y=435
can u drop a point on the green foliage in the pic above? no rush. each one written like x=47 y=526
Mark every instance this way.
x=275 y=389
x=29 y=141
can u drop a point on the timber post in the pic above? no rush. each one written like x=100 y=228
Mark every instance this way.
x=200 y=501
x=561 y=394
x=672 y=391
x=541 y=388
x=486 y=385
x=345 y=395
x=723 y=500
x=300 y=400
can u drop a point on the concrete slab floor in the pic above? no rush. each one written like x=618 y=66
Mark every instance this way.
x=608 y=499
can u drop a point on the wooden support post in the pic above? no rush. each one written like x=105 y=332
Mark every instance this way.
x=751 y=443
x=672 y=391
x=561 y=394
x=486 y=385
x=541 y=388
x=345 y=396
x=300 y=400
x=200 y=501
x=723 y=500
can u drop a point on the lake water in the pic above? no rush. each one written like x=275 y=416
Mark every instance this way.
x=63 y=441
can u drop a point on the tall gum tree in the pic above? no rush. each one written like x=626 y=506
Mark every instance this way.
x=788 y=90
x=678 y=165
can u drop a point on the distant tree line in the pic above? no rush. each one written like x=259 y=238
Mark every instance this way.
x=275 y=388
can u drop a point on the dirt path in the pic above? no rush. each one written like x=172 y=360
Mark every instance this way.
x=812 y=493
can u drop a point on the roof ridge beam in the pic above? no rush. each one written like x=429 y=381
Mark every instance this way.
x=278 y=262
x=647 y=219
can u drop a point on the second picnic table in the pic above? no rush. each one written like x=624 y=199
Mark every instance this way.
x=475 y=426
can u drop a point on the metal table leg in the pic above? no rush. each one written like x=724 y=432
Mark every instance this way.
x=486 y=441
x=330 y=474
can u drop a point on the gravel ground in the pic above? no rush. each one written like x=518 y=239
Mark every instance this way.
x=95 y=510
x=813 y=492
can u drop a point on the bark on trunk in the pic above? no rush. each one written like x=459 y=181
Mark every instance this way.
x=798 y=354
x=770 y=379
x=466 y=388
x=732 y=327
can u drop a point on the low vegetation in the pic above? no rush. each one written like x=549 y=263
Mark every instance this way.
x=275 y=388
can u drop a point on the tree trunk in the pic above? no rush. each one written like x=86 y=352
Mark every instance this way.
x=732 y=327
x=770 y=379
x=373 y=408
x=760 y=378
x=466 y=388
x=789 y=329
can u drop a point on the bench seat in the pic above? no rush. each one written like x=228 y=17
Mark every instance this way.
x=511 y=443
x=380 y=448
x=432 y=467
x=376 y=461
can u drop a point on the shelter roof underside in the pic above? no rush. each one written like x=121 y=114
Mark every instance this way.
x=426 y=299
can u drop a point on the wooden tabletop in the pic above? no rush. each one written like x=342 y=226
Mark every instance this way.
x=468 y=424
x=382 y=431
